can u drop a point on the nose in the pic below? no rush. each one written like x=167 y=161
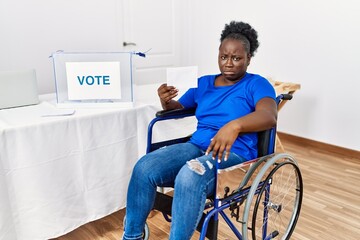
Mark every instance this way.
x=229 y=62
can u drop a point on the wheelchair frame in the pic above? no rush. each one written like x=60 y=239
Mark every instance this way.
x=262 y=172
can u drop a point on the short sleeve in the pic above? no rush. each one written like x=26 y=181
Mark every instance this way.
x=188 y=99
x=262 y=88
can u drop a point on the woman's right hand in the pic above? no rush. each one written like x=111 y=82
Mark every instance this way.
x=167 y=93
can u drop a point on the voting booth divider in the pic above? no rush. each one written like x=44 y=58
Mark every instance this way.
x=93 y=79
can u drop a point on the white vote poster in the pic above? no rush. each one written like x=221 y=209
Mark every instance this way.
x=93 y=80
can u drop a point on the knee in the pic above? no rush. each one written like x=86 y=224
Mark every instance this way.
x=199 y=168
x=141 y=168
x=193 y=173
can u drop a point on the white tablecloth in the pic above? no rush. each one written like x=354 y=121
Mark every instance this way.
x=57 y=173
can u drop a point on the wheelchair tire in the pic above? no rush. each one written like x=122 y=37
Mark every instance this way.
x=274 y=201
x=146 y=232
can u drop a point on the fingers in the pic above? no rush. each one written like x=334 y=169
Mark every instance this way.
x=167 y=93
x=208 y=150
x=169 y=97
x=220 y=153
x=218 y=150
x=227 y=153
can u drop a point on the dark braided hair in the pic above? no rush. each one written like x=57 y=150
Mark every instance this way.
x=243 y=32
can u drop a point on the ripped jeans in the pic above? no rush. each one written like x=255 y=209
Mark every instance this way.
x=182 y=166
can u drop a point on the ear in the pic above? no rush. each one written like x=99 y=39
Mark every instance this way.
x=249 y=59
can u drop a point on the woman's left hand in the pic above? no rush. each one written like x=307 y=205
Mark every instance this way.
x=222 y=142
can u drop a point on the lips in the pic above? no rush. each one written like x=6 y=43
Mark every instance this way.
x=229 y=73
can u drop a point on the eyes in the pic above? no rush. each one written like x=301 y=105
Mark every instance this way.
x=233 y=58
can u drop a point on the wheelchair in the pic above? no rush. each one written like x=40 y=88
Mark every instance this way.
x=257 y=199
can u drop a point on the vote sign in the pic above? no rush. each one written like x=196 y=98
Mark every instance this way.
x=93 y=80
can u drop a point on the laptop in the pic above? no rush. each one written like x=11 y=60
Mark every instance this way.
x=18 y=88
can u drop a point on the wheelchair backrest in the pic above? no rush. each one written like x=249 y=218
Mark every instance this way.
x=266 y=142
x=266 y=138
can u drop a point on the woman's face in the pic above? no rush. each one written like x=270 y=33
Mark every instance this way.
x=233 y=59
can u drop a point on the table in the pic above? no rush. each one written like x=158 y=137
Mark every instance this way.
x=59 y=172
x=280 y=88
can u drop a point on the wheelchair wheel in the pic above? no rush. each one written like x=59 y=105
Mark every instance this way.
x=274 y=201
x=146 y=232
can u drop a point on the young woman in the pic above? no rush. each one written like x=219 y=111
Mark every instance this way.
x=230 y=108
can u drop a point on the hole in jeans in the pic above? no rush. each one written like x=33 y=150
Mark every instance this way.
x=196 y=166
x=210 y=165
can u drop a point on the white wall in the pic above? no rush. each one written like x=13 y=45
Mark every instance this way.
x=314 y=43
x=32 y=30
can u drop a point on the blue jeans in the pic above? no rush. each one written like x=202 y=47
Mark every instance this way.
x=182 y=166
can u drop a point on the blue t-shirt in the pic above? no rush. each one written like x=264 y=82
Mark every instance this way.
x=216 y=106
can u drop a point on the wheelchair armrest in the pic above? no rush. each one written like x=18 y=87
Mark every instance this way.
x=176 y=113
x=283 y=96
x=166 y=115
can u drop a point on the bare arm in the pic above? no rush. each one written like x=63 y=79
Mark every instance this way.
x=166 y=94
x=264 y=117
